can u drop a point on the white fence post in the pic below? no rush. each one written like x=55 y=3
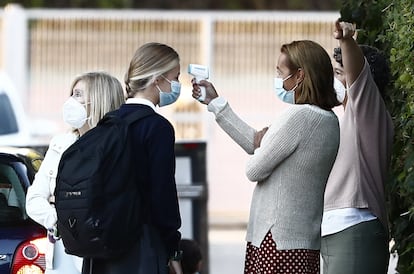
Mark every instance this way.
x=207 y=35
x=15 y=48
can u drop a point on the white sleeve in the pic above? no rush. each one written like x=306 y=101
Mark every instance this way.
x=41 y=192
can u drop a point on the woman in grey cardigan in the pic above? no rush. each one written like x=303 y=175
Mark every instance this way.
x=290 y=161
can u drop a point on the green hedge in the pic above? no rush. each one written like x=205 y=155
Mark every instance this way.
x=389 y=25
x=400 y=36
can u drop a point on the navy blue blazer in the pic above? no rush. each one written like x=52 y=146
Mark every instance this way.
x=154 y=140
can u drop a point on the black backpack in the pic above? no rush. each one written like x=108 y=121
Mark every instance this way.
x=96 y=195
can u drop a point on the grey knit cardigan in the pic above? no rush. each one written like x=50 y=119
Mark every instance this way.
x=291 y=168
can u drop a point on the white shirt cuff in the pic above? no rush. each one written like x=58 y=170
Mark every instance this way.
x=216 y=105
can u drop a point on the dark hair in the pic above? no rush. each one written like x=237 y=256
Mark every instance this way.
x=191 y=256
x=378 y=64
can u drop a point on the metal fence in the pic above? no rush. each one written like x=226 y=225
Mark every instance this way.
x=241 y=49
x=43 y=50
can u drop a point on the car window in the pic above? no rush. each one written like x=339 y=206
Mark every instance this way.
x=8 y=122
x=12 y=196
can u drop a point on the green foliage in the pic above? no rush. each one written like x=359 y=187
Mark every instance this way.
x=399 y=36
x=389 y=26
x=368 y=16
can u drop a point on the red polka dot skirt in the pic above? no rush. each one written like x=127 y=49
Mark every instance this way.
x=268 y=260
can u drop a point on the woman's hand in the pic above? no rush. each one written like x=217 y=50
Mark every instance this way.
x=211 y=92
x=344 y=30
x=259 y=136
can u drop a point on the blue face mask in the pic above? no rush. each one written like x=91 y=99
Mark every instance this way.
x=167 y=98
x=287 y=96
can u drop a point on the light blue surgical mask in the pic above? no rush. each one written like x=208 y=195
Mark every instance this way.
x=287 y=96
x=167 y=98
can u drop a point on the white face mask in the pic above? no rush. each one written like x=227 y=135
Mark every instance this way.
x=167 y=98
x=287 y=96
x=74 y=113
x=340 y=90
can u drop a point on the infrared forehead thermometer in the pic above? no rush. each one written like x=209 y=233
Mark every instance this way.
x=199 y=72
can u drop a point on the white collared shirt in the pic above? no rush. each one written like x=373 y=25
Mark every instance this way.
x=337 y=220
x=141 y=101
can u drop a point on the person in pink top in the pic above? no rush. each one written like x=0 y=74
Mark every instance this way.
x=354 y=226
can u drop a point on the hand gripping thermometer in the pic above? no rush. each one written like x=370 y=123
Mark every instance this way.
x=199 y=72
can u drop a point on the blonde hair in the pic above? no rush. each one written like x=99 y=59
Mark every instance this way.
x=317 y=86
x=103 y=93
x=149 y=61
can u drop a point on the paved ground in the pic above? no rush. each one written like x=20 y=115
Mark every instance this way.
x=227 y=247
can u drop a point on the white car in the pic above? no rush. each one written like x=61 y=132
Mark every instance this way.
x=15 y=129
